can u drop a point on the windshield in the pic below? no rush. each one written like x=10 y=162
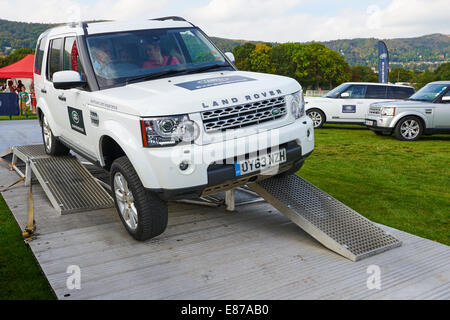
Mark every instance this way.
x=337 y=91
x=429 y=92
x=120 y=58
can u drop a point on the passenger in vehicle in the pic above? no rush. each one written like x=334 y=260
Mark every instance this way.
x=125 y=56
x=155 y=56
x=102 y=59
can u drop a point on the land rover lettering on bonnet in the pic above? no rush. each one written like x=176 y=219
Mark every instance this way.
x=166 y=113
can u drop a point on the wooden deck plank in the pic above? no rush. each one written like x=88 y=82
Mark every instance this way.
x=208 y=253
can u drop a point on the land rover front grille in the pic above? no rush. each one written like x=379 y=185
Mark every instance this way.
x=374 y=110
x=244 y=115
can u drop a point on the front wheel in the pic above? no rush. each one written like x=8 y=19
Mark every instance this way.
x=317 y=117
x=409 y=129
x=142 y=212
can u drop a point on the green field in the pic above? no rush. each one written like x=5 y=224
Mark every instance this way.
x=20 y=275
x=21 y=117
x=405 y=185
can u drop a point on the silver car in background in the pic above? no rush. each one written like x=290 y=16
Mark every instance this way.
x=425 y=112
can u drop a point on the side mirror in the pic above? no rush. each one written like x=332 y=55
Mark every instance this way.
x=445 y=99
x=230 y=56
x=345 y=95
x=67 y=80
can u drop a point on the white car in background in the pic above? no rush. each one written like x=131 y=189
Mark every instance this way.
x=349 y=102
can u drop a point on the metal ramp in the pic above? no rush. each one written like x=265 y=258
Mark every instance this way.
x=69 y=186
x=328 y=220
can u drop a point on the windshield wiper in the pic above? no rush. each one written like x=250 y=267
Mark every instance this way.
x=418 y=99
x=154 y=75
x=170 y=72
x=205 y=68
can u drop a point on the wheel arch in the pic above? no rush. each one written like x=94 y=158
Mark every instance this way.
x=109 y=150
x=401 y=116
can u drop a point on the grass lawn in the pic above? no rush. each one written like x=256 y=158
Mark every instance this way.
x=405 y=185
x=21 y=117
x=20 y=275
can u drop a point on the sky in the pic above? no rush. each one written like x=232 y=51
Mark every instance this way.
x=260 y=20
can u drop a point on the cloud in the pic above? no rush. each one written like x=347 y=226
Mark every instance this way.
x=264 y=20
x=283 y=20
x=57 y=11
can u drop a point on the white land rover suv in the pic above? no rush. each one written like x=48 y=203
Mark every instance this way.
x=349 y=102
x=160 y=107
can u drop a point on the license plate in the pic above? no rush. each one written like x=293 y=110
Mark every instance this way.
x=260 y=163
x=368 y=122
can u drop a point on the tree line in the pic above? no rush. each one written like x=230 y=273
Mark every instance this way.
x=316 y=66
x=313 y=65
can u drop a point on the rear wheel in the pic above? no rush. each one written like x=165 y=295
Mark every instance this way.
x=317 y=117
x=52 y=145
x=409 y=129
x=142 y=212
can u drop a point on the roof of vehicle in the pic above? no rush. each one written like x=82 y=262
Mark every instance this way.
x=441 y=82
x=116 y=26
x=380 y=84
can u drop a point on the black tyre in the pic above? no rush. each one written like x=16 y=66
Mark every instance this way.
x=292 y=170
x=317 y=116
x=142 y=212
x=52 y=145
x=409 y=129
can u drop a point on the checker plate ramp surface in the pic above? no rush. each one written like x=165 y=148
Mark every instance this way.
x=29 y=152
x=69 y=186
x=328 y=220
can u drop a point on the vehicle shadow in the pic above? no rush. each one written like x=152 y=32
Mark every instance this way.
x=344 y=127
x=436 y=138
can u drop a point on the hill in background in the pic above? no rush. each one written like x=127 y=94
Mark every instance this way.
x=411 y=53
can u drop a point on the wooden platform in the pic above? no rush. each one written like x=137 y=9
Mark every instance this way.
x=208 y=253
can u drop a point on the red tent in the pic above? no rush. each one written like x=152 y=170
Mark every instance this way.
x=20 y=69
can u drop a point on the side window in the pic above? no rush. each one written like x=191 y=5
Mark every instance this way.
x=71 y=59
x=54 y=58
x=356 y=91
x=40 y=48
x=376 y=92
x=399 y=92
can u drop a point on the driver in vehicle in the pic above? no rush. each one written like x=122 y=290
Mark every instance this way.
x=155 y=56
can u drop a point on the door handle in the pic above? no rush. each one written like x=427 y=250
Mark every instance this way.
x=62 y=98
x=43 y=91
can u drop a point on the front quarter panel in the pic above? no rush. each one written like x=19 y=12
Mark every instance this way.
x=427 y=119
x=127 y=134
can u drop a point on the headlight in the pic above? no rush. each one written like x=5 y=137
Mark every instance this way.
x=298 y=105
x=168 y=131
x=388 y=111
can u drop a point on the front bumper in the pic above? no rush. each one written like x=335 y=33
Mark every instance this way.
x=379 y=123
x=222 y=177
x=209 y=165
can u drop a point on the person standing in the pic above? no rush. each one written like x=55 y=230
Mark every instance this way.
x=11 y=86
x=20 y=86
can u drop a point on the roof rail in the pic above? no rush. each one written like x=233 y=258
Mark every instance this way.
x=174 y=18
